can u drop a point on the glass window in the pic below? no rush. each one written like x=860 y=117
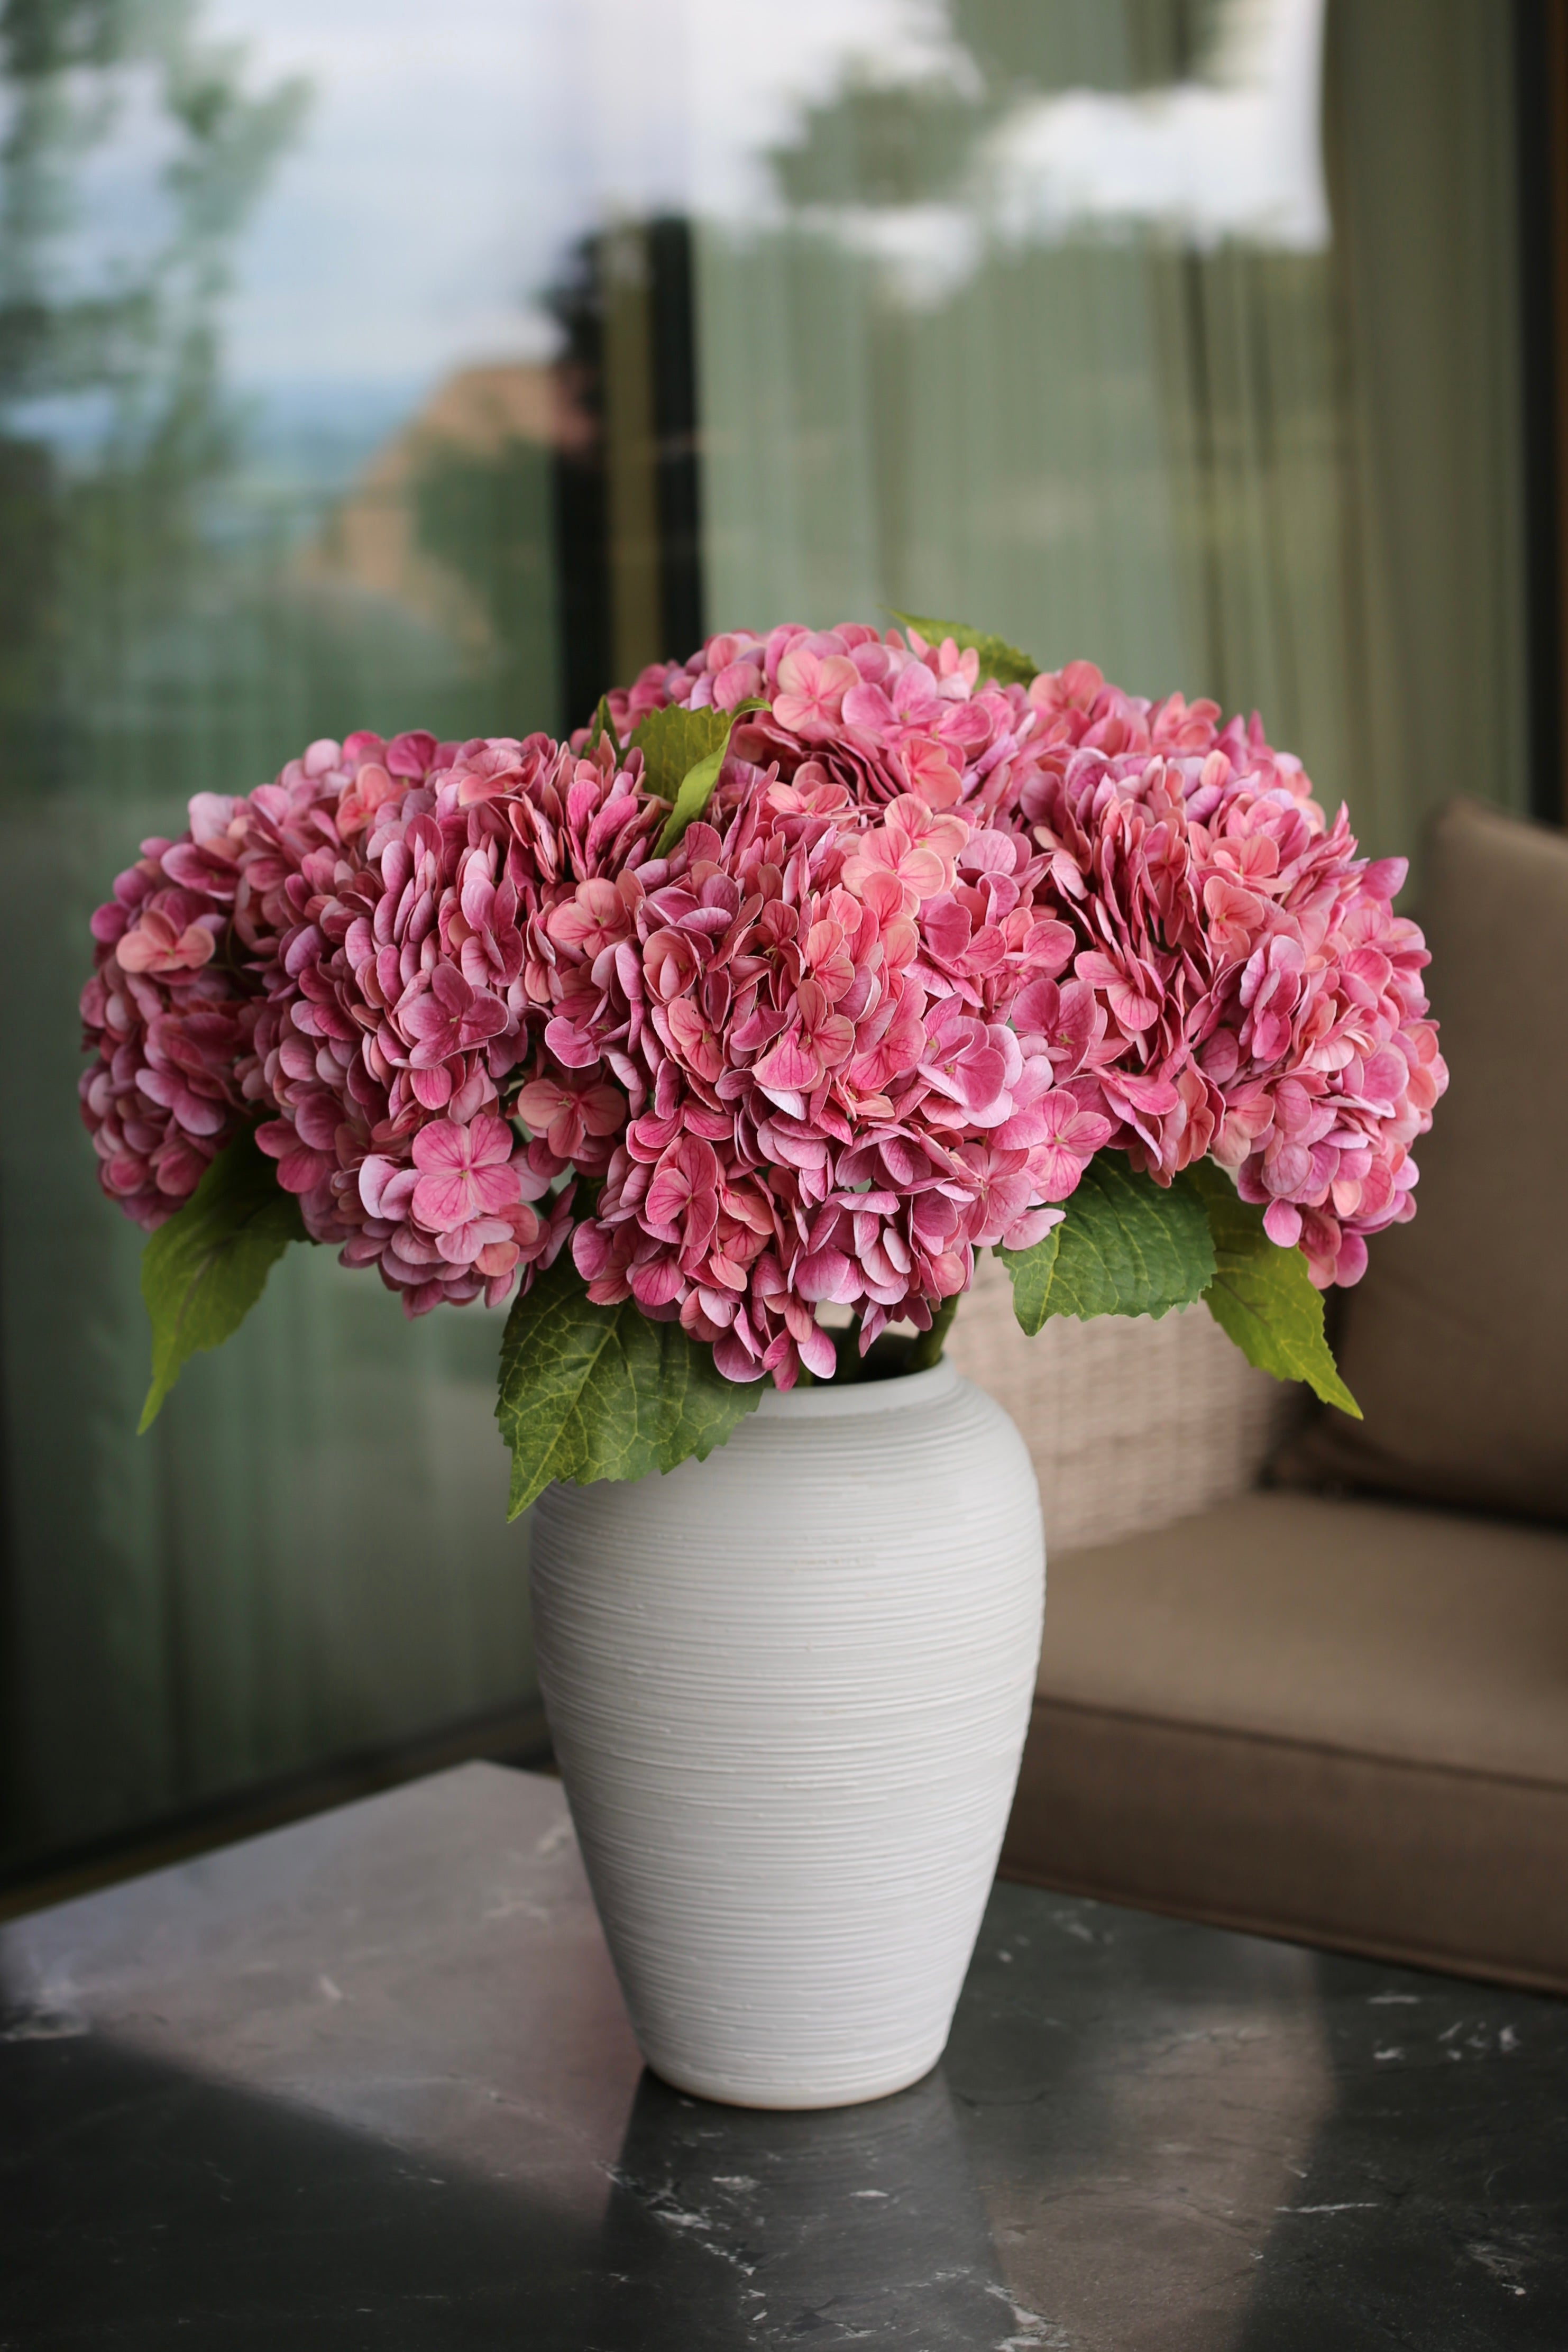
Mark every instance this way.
x=371 y=366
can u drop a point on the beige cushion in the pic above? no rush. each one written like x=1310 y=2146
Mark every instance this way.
x=1456 y=1341
x=1341 y=1721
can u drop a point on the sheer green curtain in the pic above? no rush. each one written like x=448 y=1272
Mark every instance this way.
x=1424 y=166
x=1180 y=333
x=308 y=1556
x=1200 y=434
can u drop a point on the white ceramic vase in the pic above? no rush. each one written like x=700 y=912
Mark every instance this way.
x=789 y=1688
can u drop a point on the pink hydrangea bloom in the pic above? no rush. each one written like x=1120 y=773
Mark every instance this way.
x=878 y=715
x=356 y=956
x=938 y=943
x=809 y=1009
x=178 y=970
x=162 y=1016
x=411 y=981
x=1241 y=986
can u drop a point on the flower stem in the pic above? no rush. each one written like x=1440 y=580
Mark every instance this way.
x=847 y=1346
x=925 y=1349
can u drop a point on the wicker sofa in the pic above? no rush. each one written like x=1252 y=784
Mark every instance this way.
x=1313 y=1680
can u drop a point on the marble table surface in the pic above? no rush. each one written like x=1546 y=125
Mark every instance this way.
x=367 y=2082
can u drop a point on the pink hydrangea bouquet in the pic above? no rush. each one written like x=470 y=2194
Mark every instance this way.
x=721 y=1038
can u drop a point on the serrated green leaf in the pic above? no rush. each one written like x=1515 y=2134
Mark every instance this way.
x=1032 y=1273
x=682 y=751
x=1262 y=1296
x=1126 y=1246
x=999 y=660
x=203 y=1270
x=590 y=1392
x=674 y=742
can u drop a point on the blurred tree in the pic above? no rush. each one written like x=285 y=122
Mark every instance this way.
x=113 y=416
x=876 y=142
x=113 y=424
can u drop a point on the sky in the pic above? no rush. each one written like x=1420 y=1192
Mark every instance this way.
x=450 y=154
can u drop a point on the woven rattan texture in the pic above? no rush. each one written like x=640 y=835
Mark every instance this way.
x=1132 y=1424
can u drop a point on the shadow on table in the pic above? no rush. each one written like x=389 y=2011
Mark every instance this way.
x=1145 y=2137
x=153 y=2207
x=143 y=2205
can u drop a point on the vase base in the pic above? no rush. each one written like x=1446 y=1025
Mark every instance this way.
x=775 y=2098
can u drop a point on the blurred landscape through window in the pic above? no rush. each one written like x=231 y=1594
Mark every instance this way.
x=360 y=368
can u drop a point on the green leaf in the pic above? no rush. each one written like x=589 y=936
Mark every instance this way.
x=1262 y=1296
x=674 y=742
x=605 y=725
x=682 y=751
x=590 y=1392
x=1126 y=1246
x=203 y=1270
x=697 y=791
x=998 y=658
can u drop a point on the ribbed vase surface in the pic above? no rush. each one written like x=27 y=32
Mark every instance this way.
x=789 y=1688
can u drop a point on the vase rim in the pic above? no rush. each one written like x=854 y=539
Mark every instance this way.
x=825 y=1400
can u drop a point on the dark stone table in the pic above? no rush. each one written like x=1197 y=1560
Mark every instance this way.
x=368 y=2082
